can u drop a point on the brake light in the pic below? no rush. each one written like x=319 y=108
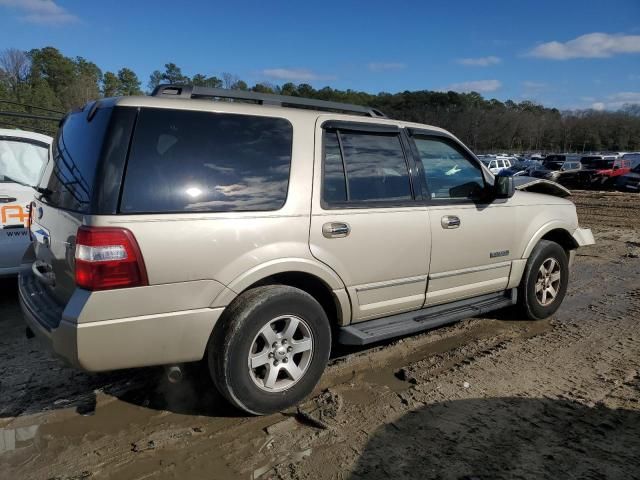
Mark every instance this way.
x=108 y=258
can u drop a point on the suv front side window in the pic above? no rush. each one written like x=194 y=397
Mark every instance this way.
x=448 y=172
x=364 y=167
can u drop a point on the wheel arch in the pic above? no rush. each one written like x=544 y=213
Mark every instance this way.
x=555 y=231
x=314 y=278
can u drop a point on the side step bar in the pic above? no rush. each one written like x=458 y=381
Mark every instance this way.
x=407 y=323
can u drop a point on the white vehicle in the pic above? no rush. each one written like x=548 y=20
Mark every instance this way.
x=22 y=158
x=497 y=164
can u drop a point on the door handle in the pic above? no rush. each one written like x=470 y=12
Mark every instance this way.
x=335 y=230
x=7 y=199
x=450 y=221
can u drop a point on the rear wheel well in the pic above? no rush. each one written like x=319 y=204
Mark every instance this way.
x=561 y=237
x=311 y=285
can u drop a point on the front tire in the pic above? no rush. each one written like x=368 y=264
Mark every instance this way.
x=544 y=282
x=269 y=349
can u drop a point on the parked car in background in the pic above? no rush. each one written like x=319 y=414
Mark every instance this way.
x=634 y=158
x=518 y=168
x=497 y=164
x=22 y=158
x=559 y=168
x=630 y=181
x=601 y=171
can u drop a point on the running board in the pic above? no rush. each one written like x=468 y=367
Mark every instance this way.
x=408 y=323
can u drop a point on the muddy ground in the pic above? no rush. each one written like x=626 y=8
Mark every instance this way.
x=493 y=397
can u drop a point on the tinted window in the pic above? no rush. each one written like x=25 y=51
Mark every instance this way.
x=76 y=153
x=334 y=183
x=183 y=161
x=376 y=168
x=448 y=172
x=21 y=161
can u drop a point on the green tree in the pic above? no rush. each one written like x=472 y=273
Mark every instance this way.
x=129 y=84
x=173 y=74
x=201 y=80
x=110 y=84
x=155 y=79
x=240 y=85
x=58 y=71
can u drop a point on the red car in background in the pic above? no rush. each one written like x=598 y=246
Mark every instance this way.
x=600 y=171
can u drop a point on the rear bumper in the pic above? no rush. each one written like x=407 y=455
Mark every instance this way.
x=158 y=339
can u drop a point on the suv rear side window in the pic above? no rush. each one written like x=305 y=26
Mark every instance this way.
x=448 y=172
x=76 y=154
x=185 y=161
x=376 y=169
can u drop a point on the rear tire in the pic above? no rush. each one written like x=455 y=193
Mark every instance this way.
x=544 y=282
x=269 y=349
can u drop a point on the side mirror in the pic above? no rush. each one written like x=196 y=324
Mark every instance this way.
x=503 y=187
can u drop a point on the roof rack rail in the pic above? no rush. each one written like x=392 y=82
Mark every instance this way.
x=191 y=91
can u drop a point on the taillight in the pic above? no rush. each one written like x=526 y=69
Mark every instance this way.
x=108 y=258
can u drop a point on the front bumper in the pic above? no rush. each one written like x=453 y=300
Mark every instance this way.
x=159 y=339
x=583 y=237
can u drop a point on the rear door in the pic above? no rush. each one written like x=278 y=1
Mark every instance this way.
x=367 y=223
x=472 y=242
x=21 y=163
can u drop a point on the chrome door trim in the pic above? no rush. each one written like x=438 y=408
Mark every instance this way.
x=482 y=268
x=391 y=283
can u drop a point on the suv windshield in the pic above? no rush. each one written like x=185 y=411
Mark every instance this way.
x=21 y=161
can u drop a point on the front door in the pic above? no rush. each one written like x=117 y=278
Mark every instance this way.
x=367 y=223
x=472 y=242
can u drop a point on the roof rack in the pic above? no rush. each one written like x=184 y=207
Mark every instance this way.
x=191 y=91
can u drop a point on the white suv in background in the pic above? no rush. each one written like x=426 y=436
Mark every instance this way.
x=497 y=164
x=22 y=158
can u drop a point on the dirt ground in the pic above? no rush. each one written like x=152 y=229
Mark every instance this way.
x=493 y=397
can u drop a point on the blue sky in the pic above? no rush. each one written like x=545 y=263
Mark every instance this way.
x=569 y=54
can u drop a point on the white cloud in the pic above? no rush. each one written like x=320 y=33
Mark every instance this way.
x=386 y=66
x=480 y=86
x=591 y=45
x=42 y=12
x=480 y=61
x=294 y=74
x=615 y=101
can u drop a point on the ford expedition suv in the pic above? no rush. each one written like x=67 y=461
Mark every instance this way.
x=252 y=233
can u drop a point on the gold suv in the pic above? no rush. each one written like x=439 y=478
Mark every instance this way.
x=252 y=231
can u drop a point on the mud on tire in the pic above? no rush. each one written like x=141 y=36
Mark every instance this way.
x=269 y=349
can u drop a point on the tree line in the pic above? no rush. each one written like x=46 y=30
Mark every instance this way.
x=49 y=81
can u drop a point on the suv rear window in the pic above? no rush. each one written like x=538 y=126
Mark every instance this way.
x=76 y=153
x=185 y=161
